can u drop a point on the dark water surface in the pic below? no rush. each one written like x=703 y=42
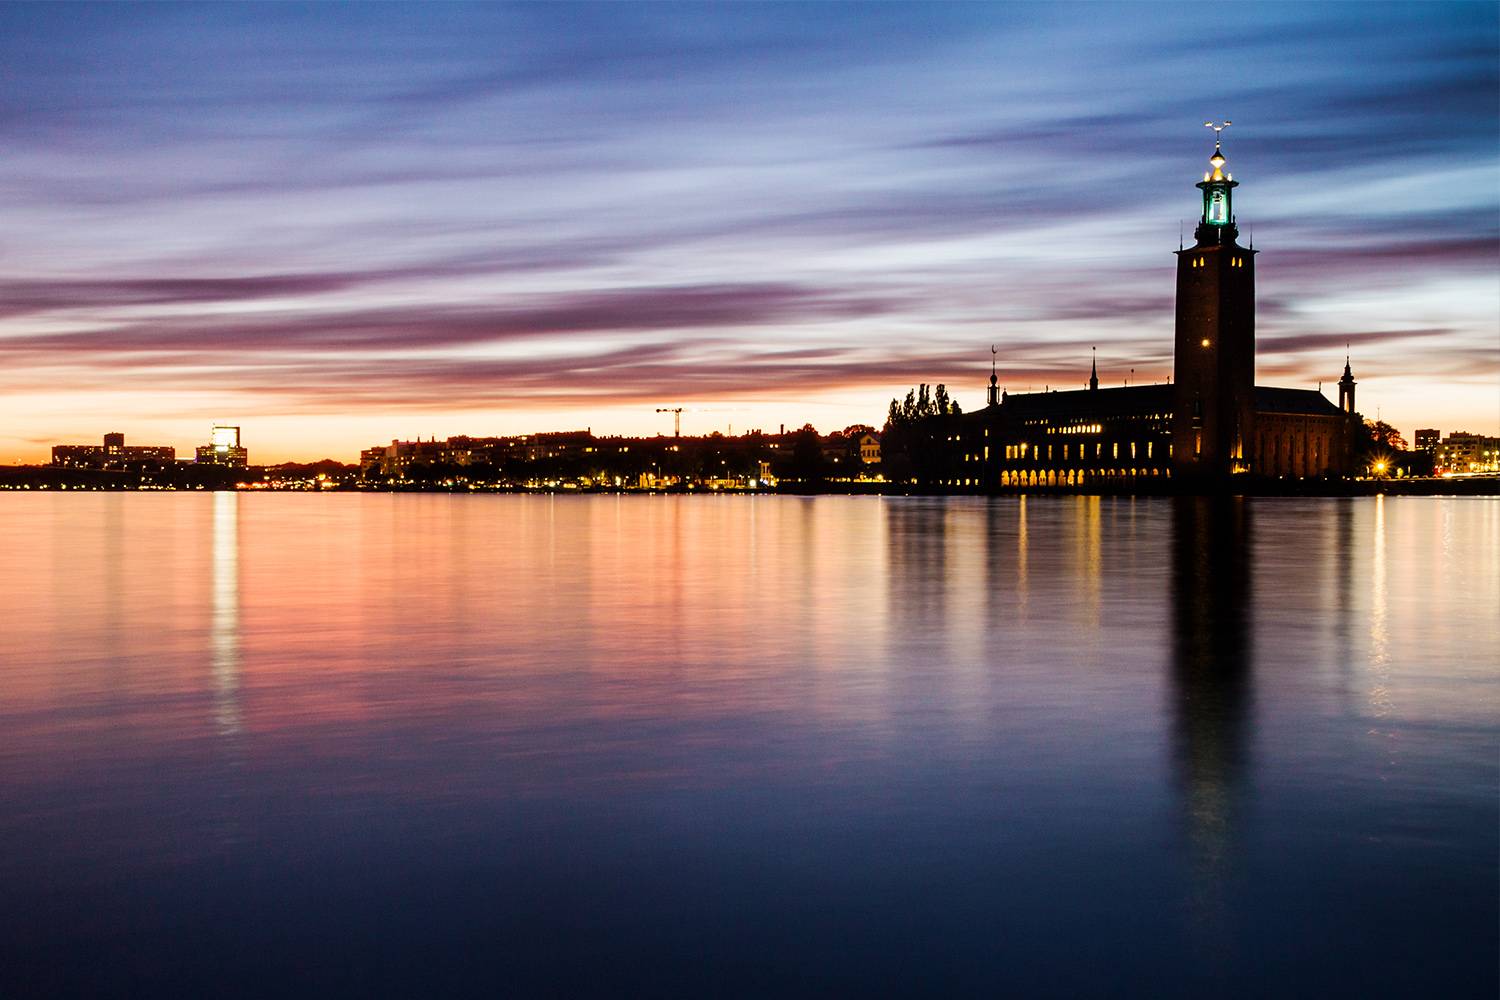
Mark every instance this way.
x=259 y=745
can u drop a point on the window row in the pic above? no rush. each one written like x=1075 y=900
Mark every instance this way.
x=1080 y=452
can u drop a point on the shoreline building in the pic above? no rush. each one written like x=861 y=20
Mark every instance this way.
x=113 y=454
x=223 y=449
x=1209 y=424
x=1462 y=453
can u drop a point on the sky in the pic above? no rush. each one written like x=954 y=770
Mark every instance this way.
x=335 y=226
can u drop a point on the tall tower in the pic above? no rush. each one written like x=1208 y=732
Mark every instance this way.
x=1346 y=389
x=1214 y=397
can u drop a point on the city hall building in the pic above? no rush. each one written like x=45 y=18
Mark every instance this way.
x=1210 y=423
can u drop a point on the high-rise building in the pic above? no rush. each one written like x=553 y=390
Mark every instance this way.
x=223 y=448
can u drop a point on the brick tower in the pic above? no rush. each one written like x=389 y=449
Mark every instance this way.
x=1214 y=395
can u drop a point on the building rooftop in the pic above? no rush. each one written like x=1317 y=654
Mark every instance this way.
x=1308 y=401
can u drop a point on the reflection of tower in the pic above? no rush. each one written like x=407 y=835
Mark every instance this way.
x=1211 y=674
x=1214 y=360
x=224 y=628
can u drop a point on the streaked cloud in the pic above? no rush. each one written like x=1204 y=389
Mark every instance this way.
x=371 y=211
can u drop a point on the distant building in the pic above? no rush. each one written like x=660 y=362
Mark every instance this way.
x=1427 y=439
x=869 y=448
x=113 y=454
x=1209 y=423
x=400 y=456
x=370 y=460
x=223 y=448
x=1462 y=452
x=559 y=444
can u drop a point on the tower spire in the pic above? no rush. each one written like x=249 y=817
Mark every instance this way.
x=1094 y=370
x=1217 y=225
x=1346 y=386
x=994 y=378
x=1218 y=158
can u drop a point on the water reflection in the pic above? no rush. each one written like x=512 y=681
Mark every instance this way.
x=1023 y=589
x=1087 y=560
x=712 y=745
x=1211 y=679
x=1380 y=694
x=224 y=625
x=1343 y=558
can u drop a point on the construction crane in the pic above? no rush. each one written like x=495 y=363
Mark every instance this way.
x=677 y=411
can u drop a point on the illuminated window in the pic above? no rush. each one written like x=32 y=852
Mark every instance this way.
x=1132 y=449
x=1218 y=208
x=1117 y=449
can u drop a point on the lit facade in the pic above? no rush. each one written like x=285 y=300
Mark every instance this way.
x=223 y=448
x=1464 y=453
x=114 y=453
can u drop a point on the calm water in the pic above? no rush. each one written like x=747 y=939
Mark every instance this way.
x=509 y=745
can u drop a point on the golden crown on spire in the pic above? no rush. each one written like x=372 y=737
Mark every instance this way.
x=1218 y=158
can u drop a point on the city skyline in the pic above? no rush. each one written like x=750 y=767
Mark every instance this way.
x=336 y=226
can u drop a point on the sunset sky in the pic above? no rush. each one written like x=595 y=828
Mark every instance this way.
x=335 y=226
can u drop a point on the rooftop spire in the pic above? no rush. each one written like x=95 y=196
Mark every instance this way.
x=1217 y=226
x=1218 y=158
x=1094 y=370
x=994 y=379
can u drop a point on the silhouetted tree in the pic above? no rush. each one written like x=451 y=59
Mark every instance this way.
x=914 y=444
x=1381 y=432
x=807 y=462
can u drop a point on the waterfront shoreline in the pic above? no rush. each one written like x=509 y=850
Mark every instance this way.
x=208 y=479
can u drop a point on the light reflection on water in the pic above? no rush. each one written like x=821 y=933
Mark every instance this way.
x=749 y=745
x=224 y=634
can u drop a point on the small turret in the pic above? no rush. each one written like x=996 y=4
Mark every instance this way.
x=994 y=379
x=1094 y=371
